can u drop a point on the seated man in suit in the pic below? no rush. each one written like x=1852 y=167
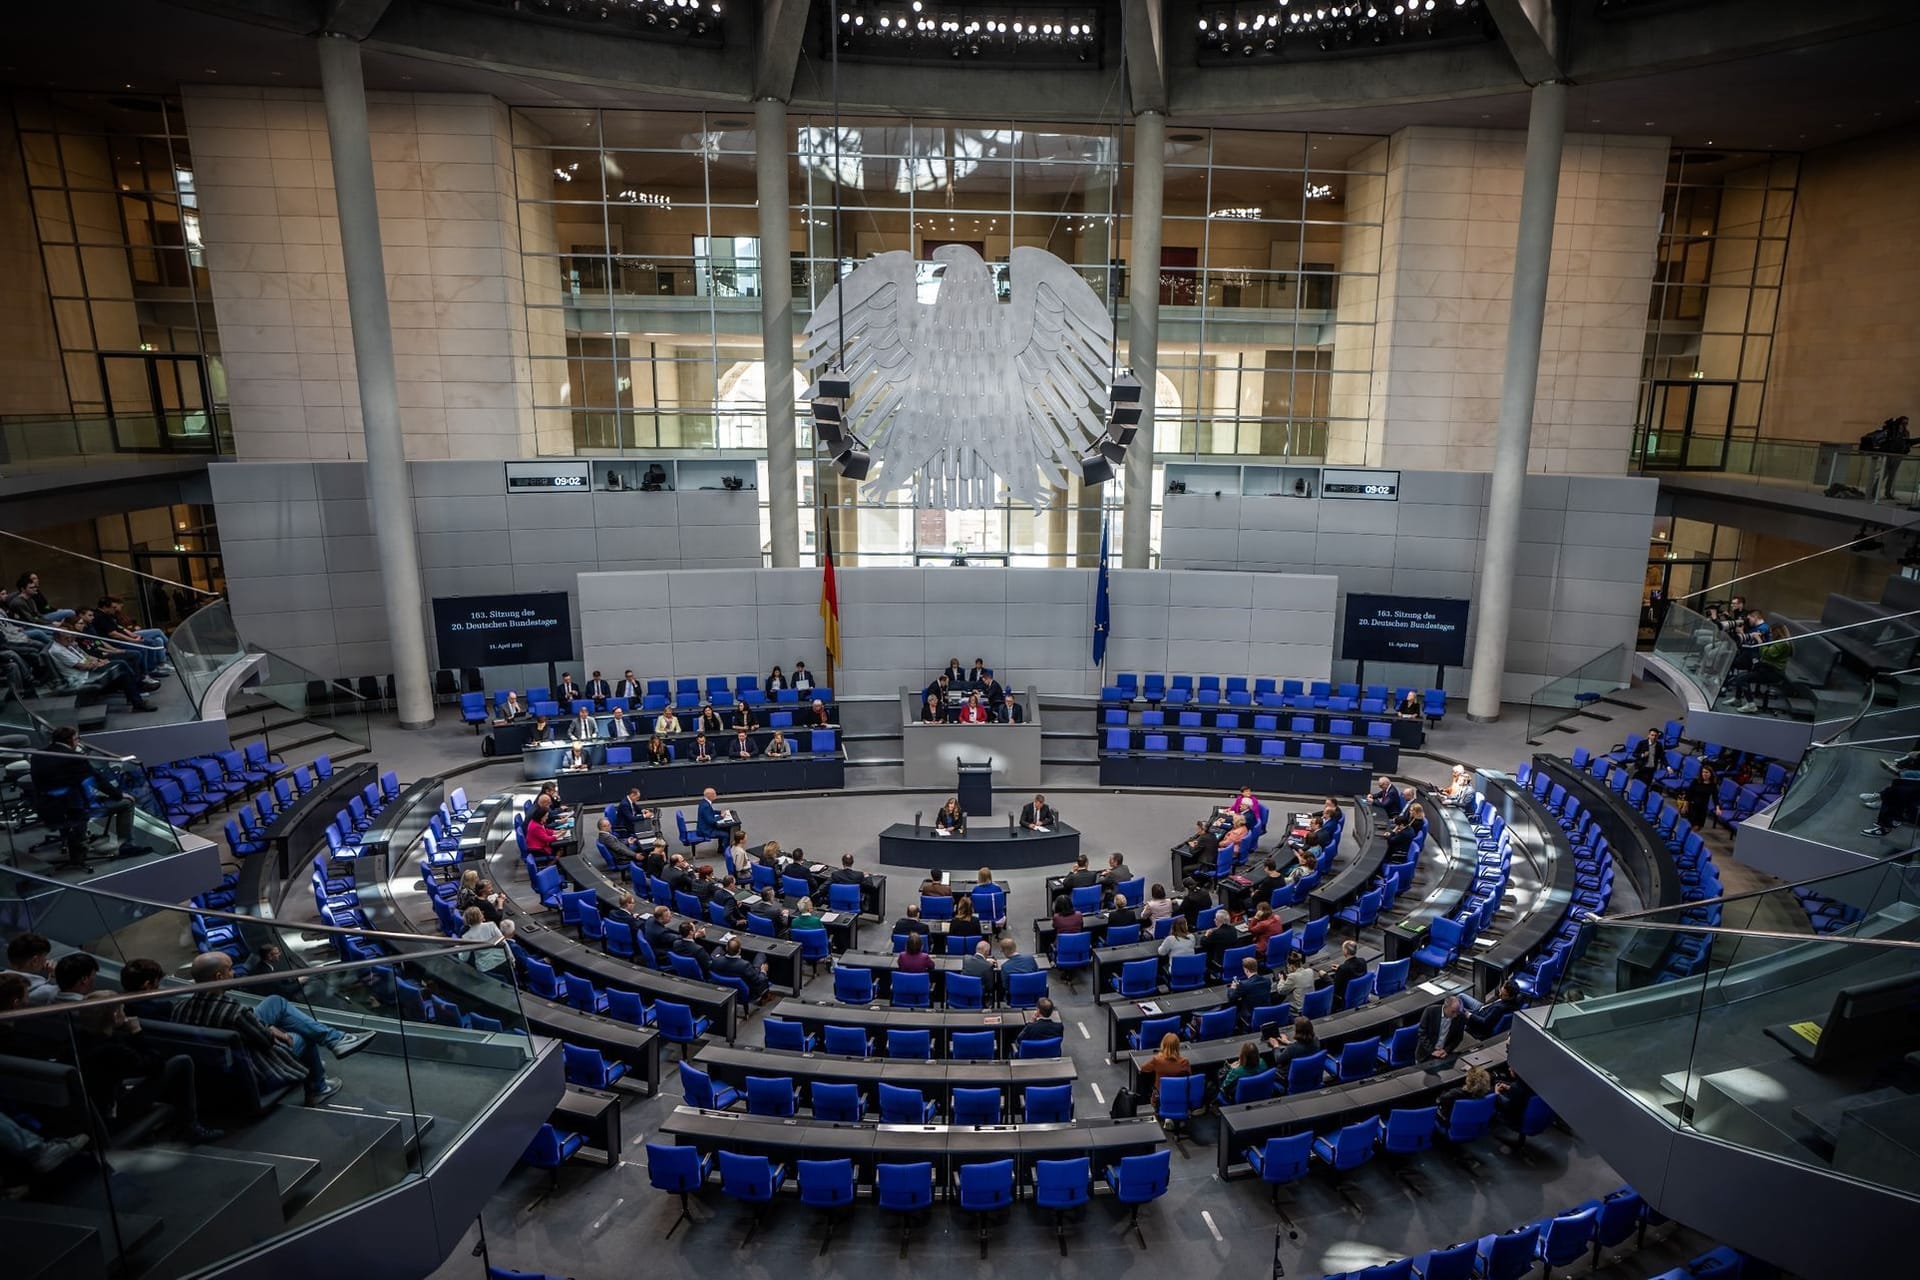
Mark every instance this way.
x=1250 y=989
x=1218 y=940
x=1385 y=796
x=1483 y=1020
x=741 y=748
x=1442 y=1027
x=612 y=847
x=979 y=964
x=629 y=814
x=1080 y=877
x=628 y=688
x=599 y=690
x=509 y=709
x=1036 y=814
x=801 y=679
x=846 y=872
x=659 y=932
x=978 y=676
x=1351 y=966
x=701 y=752
x=715 y=822
x=1116 y=873
x=731 y=964
x=910 y=922
x=1044 y=1025
x=583 y=728
x=568 y=690
x=691 y=945
x=617 y=726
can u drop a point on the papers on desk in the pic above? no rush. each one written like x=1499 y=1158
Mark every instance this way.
x=941 y=831
x=1149 y=1007
x=725 y=938
x=1041 y=831
x=1433 y=988
x=991 y=1020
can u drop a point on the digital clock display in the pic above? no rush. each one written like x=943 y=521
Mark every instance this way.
x=546 y=482
x=566 y=477
x=1365 y=486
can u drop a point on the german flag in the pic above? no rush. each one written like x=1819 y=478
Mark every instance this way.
x=829 y=606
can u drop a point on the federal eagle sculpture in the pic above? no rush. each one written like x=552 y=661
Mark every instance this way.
x=951 y=393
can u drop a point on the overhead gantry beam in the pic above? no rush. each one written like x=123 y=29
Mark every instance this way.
x=1146 y=54
x=353 y=19
x=1531 y=30
x=783 y=28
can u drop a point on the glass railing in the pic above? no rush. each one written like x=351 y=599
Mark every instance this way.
x=1698 y=646
x=203 y=646
x=64 y=813
x=1787 y=1034
x=1561 y=698
x=1838 y=469
x=333 y=705
x=165 y=1126
x=1850 y=783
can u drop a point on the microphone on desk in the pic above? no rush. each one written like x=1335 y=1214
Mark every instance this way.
x=916 y=822
x=1012 y=830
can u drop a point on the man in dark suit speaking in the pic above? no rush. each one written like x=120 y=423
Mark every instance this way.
x=1037 y=814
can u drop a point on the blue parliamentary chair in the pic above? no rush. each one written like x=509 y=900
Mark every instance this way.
x=680 y=1171
x=1139 y=1180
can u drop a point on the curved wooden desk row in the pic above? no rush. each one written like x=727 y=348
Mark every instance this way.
x=937 y=1079
x=1124 y=1014
x=1250 y=1124
x=1380 y=1018
x=876 y=1020
x=944 y=1146
x=540 y=935
x=1538 y=833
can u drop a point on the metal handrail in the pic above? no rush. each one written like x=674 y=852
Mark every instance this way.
x=1787 y=887
x=1899 y=943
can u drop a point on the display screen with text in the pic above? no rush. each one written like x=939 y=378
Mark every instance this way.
x=1430 y=630
x=498 y=631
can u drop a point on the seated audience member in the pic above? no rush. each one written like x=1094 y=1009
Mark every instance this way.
x=690 y=944
x=1270 y=879
x=509 y=709
x=1157 y=906
x=726 y=895
x=1351 y=966
x=911 y=922
x=626 y=912
x=1513 y=1093
x=631 y=816
x=612 y=848
x=915 y=959
x=741 y=748
x=1899 y=800
x=480 y=929
x=701 y=752
x=1167 y=1062
x=742 y=717
x=577 y=759
x=955 y=673
x=801 y=679
x=973 y=711
x=1043 y=1025
x=282 y=1040
x=779 y=749
x=32 y=604
x=657 y=752
x=659 y=932
x=710 y=721
x=1297 y=983
x=1120 y=915
x=143 y=976
x=599 y=690
x=1081 y=876
x=143 y=648
x=584 y=728
x=806 y=915
x=1402 y=837
x=1194 y=901
x=568 y=690
x=543 y=731
x=730 y=963
x=1238 y=840
x=978 y=963
x=617 y=726
x=1178 y=942
x=1250 y=988
x=776 y=680
x=704 y=884
x=1116 y=873
x=1038 y=815
x=1065 y=918
x=1478 y=1084
x=1263 y=924
x=1014 y=960
x=666 y=723
x=549 y=799
x=541 y=839
x=62 y=772
x=79 y=669
x=1283 y=1049
x=1203 y=844
x=817 y=716
x=492 y=903
x=933 y=710
x=963 y=923
x=931 y=888
x=951 y=818
x=1320 y=836
x=740 y=858
x=1442 y=1027
x=846 y=872
x=124 y=1074
x=1459 y=790
x=1249 y=804
x=1222 y=937
x=629 y=687
x=1384 y=796
x=1245 y=1063
x=1506 y=1002
x=1410 y=706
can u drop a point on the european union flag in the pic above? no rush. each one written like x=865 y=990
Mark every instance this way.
x=1102 y=609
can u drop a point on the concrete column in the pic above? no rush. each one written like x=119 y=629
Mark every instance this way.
x=1143 y=302
x=776 y=329
x=389 y=491
x=1533 y=251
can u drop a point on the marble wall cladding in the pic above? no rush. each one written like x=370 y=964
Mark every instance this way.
x=443 y=170
x=1451 y=211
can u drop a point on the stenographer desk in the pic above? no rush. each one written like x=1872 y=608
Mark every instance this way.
x=982 y=844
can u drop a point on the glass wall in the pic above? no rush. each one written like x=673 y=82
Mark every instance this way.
x=1716 y=292
x=643 y=274
x=112 y=186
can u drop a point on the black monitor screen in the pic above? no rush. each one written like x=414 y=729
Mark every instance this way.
x=1429 y=630
x=498 y=631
